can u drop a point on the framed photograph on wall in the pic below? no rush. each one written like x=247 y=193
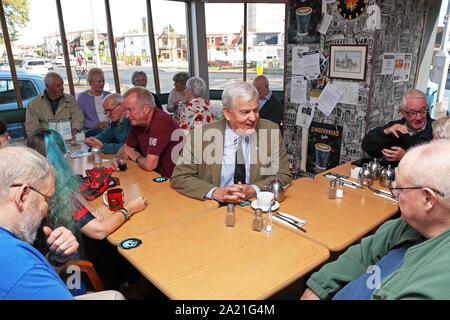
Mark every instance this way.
x=348 y=62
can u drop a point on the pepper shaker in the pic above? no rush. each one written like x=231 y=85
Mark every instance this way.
x=332 y=190
x=258 y=220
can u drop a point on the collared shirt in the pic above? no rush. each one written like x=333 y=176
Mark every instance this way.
x=229 y=160
x=412 y=132
x=262 y=101
x=53 y=103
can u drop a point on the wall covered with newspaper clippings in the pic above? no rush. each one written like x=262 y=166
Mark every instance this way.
x=400 y=30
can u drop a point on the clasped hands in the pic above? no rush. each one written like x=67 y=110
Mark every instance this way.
x=236 y=193
x=395 y=153
x=124 y=154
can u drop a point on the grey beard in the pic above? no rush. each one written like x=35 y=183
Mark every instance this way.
x=29 y=225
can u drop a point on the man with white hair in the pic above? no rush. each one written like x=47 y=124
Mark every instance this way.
x=27 y=186
x=53 y=104
x=239 y=154
x=113 y=137
x=394 y=139
x=270 y=107
x=407 y=258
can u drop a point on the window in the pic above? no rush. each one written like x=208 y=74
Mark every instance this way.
x=265 y=42
x=169 y=22
x=225 y=62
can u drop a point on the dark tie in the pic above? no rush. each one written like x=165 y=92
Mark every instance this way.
x=239 y=169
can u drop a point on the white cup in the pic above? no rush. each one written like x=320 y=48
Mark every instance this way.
x=264 y=199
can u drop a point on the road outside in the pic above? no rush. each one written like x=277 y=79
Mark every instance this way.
x=217 y=79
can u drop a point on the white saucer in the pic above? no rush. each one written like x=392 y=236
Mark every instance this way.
x=255 y=205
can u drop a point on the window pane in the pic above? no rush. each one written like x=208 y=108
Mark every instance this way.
x=224 y=23
x=265 y=42
x=169 y=22
x=30 y=52
x=132 y=43
x=87 y=41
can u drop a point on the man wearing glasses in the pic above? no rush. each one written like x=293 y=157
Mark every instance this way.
x=113 y=137
x=408 y=257
x=394 y=139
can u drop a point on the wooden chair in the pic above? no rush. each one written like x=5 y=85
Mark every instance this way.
x=88 y=268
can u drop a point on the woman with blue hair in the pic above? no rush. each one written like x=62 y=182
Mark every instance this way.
x=70 y=208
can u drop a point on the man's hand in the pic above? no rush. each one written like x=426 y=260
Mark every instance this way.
x=248 y=191
x=74 y=131
x=393 y=154
x=61 y=242
x=102 y=125
x=93 y=142
x=235 y=193
x=130 y=152
x=309 y=295
x=396 y=129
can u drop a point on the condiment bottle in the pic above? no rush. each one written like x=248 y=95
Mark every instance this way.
x=258 y=221
x=340 y=190
x=332 y=190
x=230 y=218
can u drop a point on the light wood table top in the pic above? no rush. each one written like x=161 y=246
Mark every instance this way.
x=200 y=258
x=165 y=205
x=336 y=223
x=344 y=169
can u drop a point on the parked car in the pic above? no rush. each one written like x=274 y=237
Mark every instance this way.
x=30 y=85
x=37 y=66
x=49 y=64
x=59 y=60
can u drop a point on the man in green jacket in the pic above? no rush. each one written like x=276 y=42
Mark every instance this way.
x=407 y=258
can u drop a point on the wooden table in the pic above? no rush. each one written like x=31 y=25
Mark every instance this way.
x=344 y=169
x=200 y=258
x=165 y=205
x=337 y=223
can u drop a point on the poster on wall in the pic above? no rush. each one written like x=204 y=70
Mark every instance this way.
x=304 y=17
x=324 y=147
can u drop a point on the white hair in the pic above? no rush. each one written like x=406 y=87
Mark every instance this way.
x=441 y=128
x=143 y=95
x=413 y=93
x=241 y=89
x=198 y=87
x=49 y=78
x=428 y=165
x=22 y=165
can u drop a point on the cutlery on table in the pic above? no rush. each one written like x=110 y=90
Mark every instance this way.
x=291 y=221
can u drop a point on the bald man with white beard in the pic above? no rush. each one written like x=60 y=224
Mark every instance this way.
x=408 y=257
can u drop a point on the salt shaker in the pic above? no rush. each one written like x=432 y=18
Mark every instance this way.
x=340 y=190
x=230 y=217
x=258 y=220
x=332 y=190
x=269 y=227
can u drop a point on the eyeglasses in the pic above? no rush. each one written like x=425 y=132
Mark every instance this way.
x=415 y=113
x=4 y=134
x=110 y=111
x=395 y=193
x=50 y=201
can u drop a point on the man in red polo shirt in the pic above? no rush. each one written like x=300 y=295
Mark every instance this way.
x=149 y=142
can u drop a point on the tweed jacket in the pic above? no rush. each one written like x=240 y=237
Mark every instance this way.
x=198 y=169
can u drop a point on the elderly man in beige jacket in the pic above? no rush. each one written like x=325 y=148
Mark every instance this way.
x=53 y=104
